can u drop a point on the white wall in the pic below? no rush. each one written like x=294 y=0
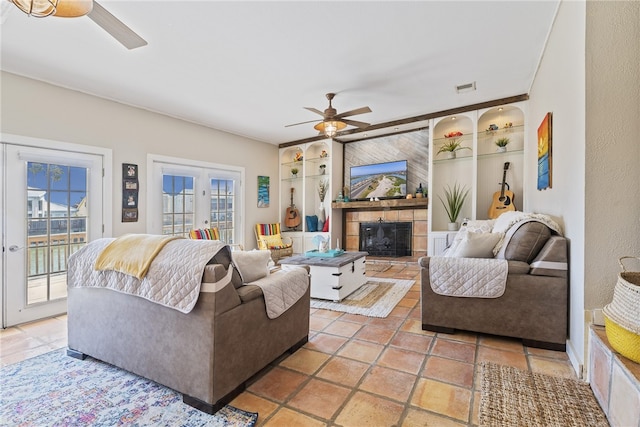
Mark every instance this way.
x=588 y=78
x=613 y=144
x=37 y=109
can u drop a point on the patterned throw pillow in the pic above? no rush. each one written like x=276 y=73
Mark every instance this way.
x=205 y=234
x=481 y=225
x=273 y=242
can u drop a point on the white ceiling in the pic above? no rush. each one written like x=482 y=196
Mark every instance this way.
x=249 y=67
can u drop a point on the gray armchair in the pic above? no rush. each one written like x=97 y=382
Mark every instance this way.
x=533 y=306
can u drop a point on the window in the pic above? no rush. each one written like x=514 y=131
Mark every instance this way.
x=177 y=205
x=222 y=214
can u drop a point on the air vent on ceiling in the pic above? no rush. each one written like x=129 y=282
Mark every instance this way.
x=468 y=87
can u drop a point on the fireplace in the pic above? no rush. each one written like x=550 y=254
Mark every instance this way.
x=386 y=239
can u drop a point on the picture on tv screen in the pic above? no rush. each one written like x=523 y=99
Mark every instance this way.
x=382 y=180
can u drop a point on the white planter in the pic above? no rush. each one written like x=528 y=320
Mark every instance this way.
x=501 y=149
x=452 y=226
x=451 y=154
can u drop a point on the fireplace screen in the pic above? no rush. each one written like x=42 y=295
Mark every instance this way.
x=390 y=239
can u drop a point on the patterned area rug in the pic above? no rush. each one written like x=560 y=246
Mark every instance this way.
x=376 y=298
x=512 y=397
x=55 y=389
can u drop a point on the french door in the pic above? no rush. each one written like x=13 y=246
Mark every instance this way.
x=52 y=207
x=197 y=195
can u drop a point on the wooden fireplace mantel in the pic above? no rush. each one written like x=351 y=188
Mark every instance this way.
x=383 y=204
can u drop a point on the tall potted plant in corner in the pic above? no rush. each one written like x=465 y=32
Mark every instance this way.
x=455 y=198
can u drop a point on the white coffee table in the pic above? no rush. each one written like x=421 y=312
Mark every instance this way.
x=332 y=278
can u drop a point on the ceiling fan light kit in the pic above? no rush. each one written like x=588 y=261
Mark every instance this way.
x=61 y=8
x=73 y=8
x=37 y=8
x=330 y=128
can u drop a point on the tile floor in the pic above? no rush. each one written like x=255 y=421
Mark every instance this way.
x=357 y=370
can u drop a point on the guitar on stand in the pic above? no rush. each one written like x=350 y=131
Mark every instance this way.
x=503 y=199
x=292 y=216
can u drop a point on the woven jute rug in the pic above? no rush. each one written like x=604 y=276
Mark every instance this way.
x=512 y=397
x=376 y=298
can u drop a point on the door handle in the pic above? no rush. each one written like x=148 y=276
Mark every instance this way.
x=14 y=248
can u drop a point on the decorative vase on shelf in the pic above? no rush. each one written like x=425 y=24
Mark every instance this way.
x=452 y=226
x=322 y=217
x=451 y=154
x=501 y=149
x=323 y=169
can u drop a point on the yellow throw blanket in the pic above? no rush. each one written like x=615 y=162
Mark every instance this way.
x=132 y=254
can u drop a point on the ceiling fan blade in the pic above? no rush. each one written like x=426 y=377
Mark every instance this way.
x=301 y=123
x=356 y=123
x=314 y=110
x=357 y=111
x=115 y=27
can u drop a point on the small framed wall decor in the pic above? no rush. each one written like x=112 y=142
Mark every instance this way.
x=130 y=190
x=129 y=215
x=129 y=171
x=263 y=191
x=544 y=153
x=129 y=199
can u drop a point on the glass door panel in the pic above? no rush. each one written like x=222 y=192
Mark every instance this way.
x=52 y=197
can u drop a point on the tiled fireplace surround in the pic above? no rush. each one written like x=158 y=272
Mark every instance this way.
x=418 y=218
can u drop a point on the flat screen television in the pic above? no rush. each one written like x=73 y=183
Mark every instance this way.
x=382 y=180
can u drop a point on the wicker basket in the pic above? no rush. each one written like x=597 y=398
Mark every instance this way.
x=624 y=309
x=622 y=315
x=624 y=342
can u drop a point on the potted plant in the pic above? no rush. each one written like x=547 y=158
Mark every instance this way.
x=453 y=205
x=502 y=144
x=294 y=172
x=450 y=147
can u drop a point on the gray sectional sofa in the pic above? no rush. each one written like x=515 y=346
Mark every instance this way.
x=207 y=354
x=533 y=306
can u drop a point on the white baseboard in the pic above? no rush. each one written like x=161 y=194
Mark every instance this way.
x=576 y=363
x=597 y=317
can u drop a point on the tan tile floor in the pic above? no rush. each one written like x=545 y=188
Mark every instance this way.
x=357 y=370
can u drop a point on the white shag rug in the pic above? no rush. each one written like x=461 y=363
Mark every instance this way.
x=376 y=298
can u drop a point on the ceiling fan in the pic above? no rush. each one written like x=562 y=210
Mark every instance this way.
x=77 y=8
x=333 y=122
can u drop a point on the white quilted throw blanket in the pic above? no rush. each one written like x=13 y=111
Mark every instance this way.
x=173 y=279
x=282 y=289
x=468 y=277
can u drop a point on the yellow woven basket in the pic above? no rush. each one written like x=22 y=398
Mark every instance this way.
x=623 y=341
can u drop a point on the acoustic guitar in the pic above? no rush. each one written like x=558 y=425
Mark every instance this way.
x=503 y=199
x=292 y=216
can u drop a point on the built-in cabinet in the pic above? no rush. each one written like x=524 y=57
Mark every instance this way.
x=478 y=166
x=316 y=165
